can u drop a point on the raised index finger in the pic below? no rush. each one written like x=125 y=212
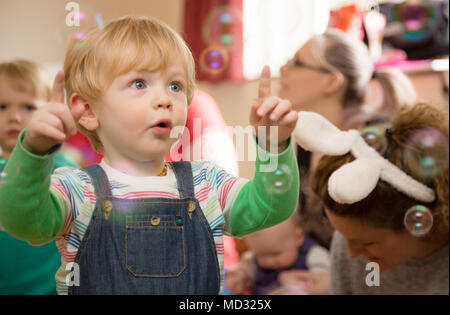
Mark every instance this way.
x=58 y=88
x=264 y=83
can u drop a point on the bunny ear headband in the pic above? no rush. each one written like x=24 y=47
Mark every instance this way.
x=354 y=181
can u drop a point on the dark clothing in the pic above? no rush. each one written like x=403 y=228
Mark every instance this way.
x=148 y=245
x=266 y=280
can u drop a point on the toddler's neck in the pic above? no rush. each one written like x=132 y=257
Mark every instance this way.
x=133 y=168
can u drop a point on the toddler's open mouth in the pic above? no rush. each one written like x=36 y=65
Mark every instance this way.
x=162 y=127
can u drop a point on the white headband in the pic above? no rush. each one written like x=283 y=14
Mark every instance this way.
x=354 y=181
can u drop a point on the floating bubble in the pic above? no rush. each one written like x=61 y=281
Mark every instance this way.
x=76 y=22
x=376 y=138
x=278 y=181
x=3 y=178
x=427 y=153
x=6 y=177
x=214 y=60
x=418 y=220
x=220 y=25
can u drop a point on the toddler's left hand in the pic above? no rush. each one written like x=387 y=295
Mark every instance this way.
x=269 y=111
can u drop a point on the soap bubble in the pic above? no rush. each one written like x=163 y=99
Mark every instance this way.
x=376 y=138
x=426 y=154
x=6 y=177
x=278 y=181
x=3 y=178
x=214 y=60
x=418 y=220
x=75 y=25
x=220 y=25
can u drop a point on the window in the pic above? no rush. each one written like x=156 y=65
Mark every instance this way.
x=275 y=29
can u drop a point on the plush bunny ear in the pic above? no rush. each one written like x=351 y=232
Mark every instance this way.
x=354 y=181
x=314 y=133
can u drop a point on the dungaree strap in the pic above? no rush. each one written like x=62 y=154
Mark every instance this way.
x=185 y=180
x=100 y=181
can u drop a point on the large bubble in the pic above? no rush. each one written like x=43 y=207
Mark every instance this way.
x=418 y=220
x=376 y=138
x=75 y=21
x=279 y=181
x=427 y=154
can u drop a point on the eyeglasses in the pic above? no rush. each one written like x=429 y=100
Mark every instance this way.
x=297 y=63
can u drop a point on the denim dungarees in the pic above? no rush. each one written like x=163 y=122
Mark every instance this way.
x=148 y=245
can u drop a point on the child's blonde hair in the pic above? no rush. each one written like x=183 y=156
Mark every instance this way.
x=125 y=44
x=28 y=77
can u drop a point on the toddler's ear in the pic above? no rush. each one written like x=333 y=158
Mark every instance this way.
x=88 y=119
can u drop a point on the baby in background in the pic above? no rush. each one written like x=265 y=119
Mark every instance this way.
x=272 y=254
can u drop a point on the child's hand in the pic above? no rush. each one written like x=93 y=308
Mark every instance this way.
x=316 y=282
x=52 y=123
x=237 y=281
x=269 y=111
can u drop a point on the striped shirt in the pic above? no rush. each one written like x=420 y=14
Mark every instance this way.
x=215 y=189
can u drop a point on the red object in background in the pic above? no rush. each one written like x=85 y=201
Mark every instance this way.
x=213 y=32
x=349 y=19
x=81 y=143
x=202 y=113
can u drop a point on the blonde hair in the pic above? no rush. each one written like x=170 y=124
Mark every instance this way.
x=28 y=77
x=125 y=44
x=338 y=52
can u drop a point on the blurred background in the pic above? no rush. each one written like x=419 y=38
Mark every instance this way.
x=232 y=39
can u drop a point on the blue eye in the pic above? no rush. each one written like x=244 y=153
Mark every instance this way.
x=176 y=87
x=138 y=84
x=29 y=108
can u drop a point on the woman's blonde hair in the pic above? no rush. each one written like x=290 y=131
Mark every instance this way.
x=125 y=44
x=385 y=207
x=28 y=77
x=338 y=52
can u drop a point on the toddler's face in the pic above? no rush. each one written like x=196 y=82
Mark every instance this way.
x=275 y=256
x=16 y=109
x=139 y=111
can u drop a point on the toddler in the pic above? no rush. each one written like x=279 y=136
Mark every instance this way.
x=273 y=252
x=24 y=269
x=135 y=224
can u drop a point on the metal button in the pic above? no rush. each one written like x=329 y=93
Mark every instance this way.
x=190 y=206
x=155 y=221
x=107 y=207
